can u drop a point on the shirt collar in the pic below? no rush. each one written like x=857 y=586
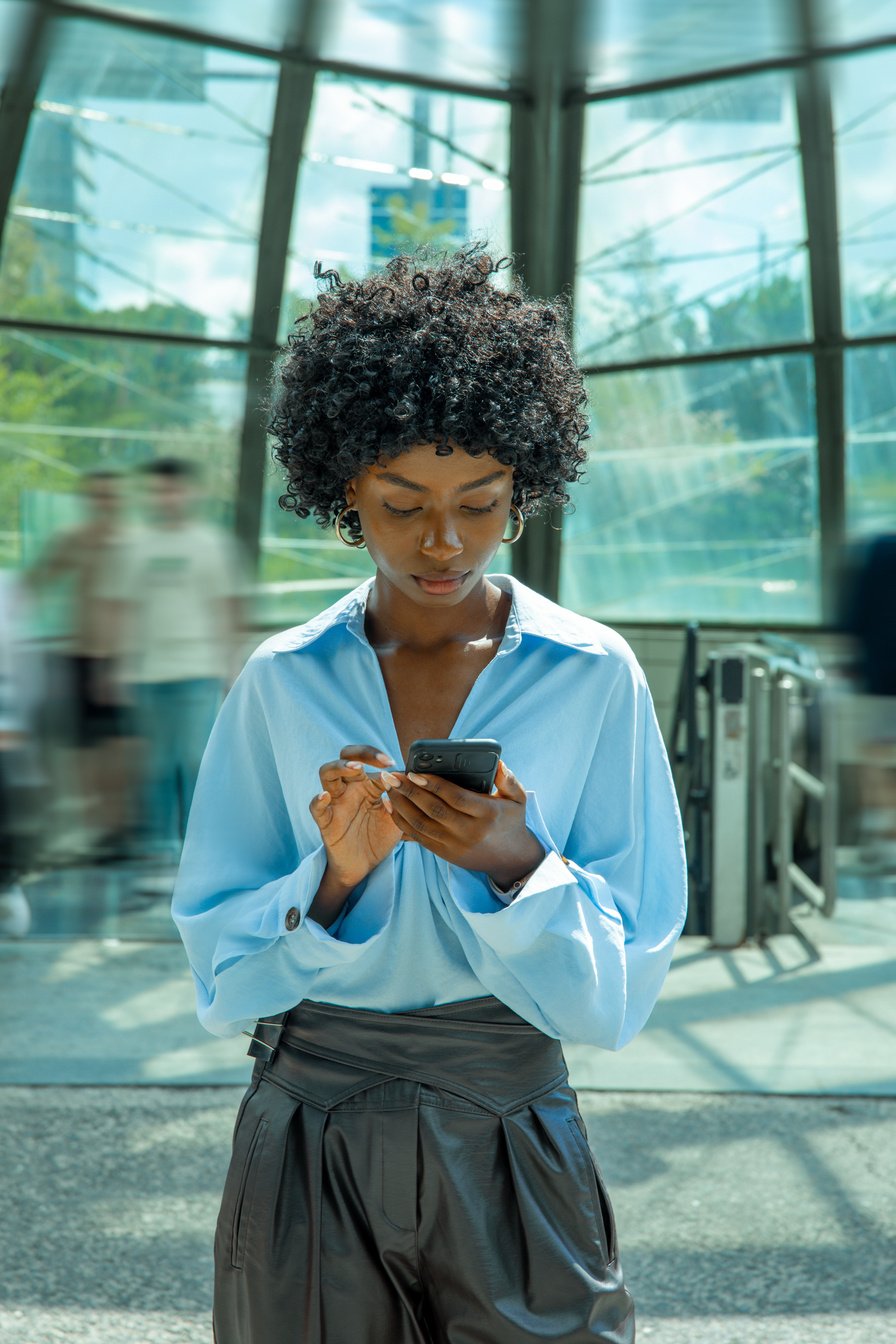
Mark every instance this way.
x=531 y=615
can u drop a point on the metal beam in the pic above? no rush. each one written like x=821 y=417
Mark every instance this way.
x=545 y=172
x=18 y=98
x=816 y=130
x=743 y=69
x=96 y=330
x=291 y=114
x=294 y=53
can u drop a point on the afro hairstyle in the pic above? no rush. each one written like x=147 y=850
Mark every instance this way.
x=425 y=351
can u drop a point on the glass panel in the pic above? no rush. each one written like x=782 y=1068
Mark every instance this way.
x=633 y=41
x=13 y=15
x=302 y=568
x=692 y=229
x=701 y=499
x=871 y=439
x=263 y=22
x=845 y=21
x=69 y=405
x=465 y=41
x=387 y=168
x=138 y=199
x=865 y=122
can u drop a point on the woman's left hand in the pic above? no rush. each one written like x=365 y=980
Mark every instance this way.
x=485 y=833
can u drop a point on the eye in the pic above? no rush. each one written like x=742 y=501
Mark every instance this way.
x=487 y=508
x=399 y=513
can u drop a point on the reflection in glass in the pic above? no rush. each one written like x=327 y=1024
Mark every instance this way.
x=262 y=22
x=388 y=168
x=871 y=439
x=692 y=233
x=701 y=496
x=865 y=123
x=467 y=41
x=138 y=198
x=634 y=41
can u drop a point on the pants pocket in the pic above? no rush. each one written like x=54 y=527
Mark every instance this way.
x=603 y=1210
x=242 y=1180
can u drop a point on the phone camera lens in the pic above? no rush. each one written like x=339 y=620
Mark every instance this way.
x=424 y=756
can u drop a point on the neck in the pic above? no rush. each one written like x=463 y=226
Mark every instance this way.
x=393 y=620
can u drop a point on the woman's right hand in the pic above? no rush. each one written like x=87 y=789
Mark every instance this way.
x=353 y=818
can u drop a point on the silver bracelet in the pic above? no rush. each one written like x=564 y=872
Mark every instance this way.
x=511 y=891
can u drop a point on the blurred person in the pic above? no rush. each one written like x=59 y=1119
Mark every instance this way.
x=409 y=1162
x=178 y=617
x=868 y=617
x=16 y=767
x=90 y=716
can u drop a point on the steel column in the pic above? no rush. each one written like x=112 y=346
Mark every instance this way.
x=17 y=100
x=816 y=129
x=290 y=123
x=545 y=170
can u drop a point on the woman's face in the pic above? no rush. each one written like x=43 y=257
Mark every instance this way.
x=433 y=522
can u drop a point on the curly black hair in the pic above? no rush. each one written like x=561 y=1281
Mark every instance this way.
x=424 y=351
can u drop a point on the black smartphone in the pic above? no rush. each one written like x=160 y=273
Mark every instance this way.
x=470 y=762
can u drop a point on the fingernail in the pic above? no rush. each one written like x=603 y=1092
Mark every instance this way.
x=387 y=805
x=418 y=779
x=391 y=781
x=355 y=765
x=384 y=759
x=323 y=797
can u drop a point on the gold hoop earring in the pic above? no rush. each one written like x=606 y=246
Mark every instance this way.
x=355 y=543
x=520 y=524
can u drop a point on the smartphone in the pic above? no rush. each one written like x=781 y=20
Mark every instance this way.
x=471 y=762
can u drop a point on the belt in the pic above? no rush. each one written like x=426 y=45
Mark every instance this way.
x=478 y=1049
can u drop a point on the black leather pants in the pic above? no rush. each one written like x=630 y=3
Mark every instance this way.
x=415 y=1178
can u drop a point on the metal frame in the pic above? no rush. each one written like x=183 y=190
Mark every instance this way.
x=17 y=102
x=545 y=170
x=294 y=53
x=290 y=124
x=816 y=127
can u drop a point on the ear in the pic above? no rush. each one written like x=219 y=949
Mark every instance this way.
x=350 y=495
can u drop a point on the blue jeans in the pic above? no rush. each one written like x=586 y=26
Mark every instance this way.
x=175 y=719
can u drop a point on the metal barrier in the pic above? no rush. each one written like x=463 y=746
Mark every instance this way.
x=779 y=685
x=755 y=816
x=790 y=685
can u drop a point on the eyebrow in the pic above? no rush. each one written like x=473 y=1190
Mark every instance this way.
x=395 y=479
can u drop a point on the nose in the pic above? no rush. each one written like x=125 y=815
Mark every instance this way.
x=440 y=541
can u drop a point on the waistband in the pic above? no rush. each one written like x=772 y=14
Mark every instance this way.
x=478 y=1049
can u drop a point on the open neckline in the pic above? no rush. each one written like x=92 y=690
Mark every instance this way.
x=509 y=641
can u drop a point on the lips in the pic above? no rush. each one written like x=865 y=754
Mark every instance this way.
x=446 y=582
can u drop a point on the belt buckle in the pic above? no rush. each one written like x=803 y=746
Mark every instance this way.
x=264 y=1040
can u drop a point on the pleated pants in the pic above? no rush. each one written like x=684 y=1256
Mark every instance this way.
x=414 y=1178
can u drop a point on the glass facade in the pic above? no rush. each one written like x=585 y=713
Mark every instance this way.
x=701 y=492
x=692 y=233
x=138 y=198
x=133 y=207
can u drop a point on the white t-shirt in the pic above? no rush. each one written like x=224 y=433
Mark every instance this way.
x=178 y=583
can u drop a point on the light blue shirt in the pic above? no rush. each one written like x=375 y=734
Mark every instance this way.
x=583 y=949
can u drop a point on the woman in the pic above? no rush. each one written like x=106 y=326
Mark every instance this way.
x=409 y=1163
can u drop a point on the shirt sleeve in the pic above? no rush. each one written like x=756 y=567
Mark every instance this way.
x=248 y=875
x=583 y=949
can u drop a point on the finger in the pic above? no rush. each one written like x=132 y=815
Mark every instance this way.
x=321 y=809
x=336 y=775
x=508 y=785
x=363 y=751
x=414 y=823
x=438 y=796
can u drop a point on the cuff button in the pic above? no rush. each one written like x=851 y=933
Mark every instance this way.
x=292 y=919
